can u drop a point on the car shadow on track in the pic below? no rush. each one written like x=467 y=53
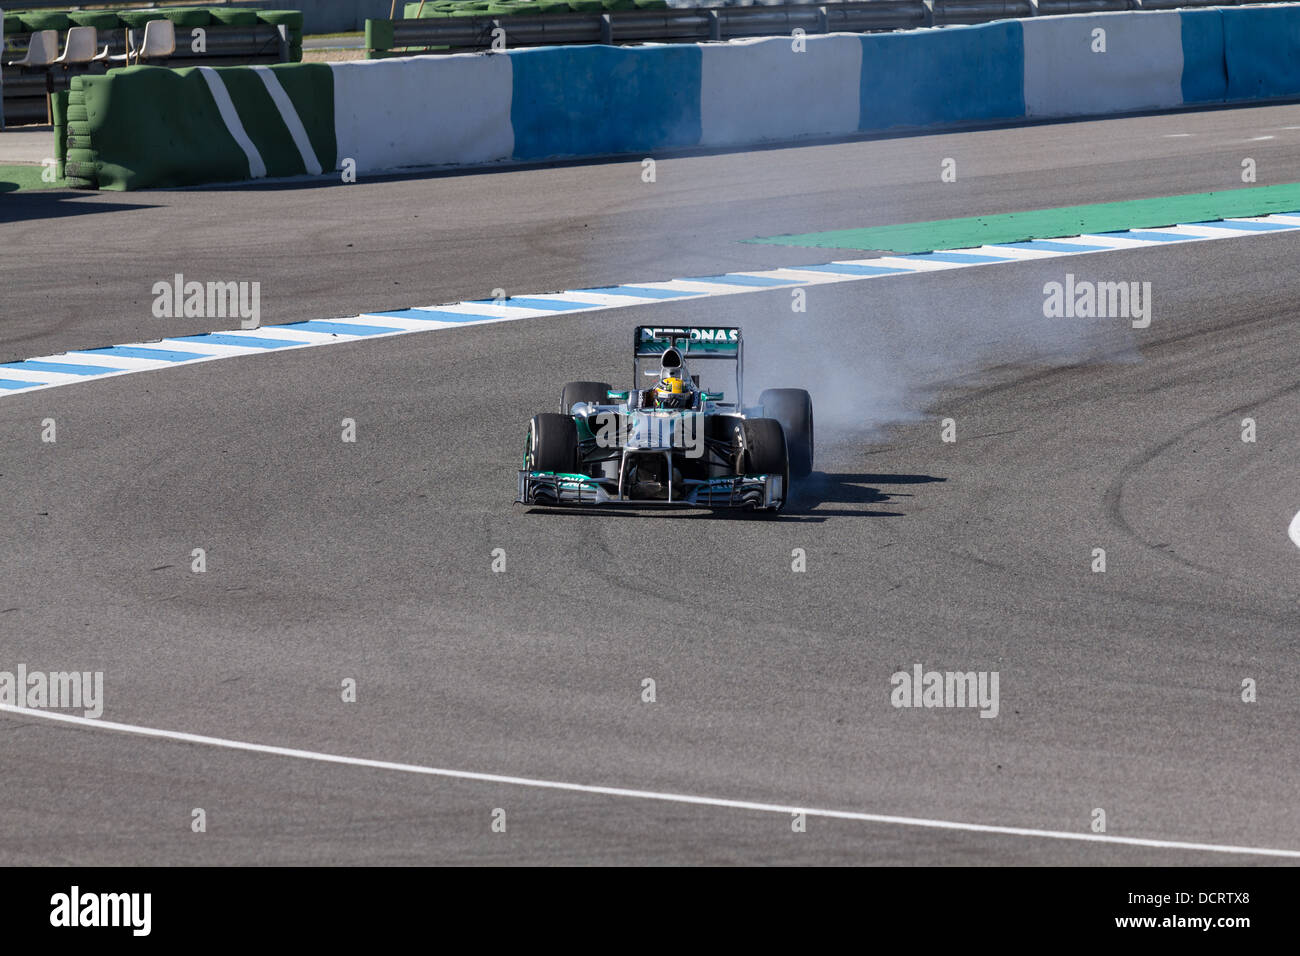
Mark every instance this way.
x=853 y=493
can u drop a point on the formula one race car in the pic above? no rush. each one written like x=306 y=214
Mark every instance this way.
x=675 y=442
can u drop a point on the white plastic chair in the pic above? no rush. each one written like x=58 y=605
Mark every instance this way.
x=159 y=43
x=104 y=57
x=79 y=48
x=42 y=54
x=42 y=50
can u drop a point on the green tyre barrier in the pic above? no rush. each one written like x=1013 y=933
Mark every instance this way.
x=80 y=174
x=44 y=20
x=136 y=19
x=101 y=20
x=59 y=117
x=222 y=16
x=151 y=126
x=187 y=17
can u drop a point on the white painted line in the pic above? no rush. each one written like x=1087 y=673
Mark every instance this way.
x=305 y=337
x=1200 y=232
x=493 y=310
x=1277 y=218
x=1006 y=252
x=288 y=335
x=216 y=350
x=602 y=299
x=43 y=378
x=417 y=325
x=808 y=277
x=625 y=792
x=685 y=285
x=390 y=322
x=1113 y=242
x=1294 y=530
x=112 y=362
x=912 y=265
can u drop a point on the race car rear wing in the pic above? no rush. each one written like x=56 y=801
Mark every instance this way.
x=695 y=342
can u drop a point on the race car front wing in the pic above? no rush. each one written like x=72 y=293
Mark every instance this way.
x=738 y=491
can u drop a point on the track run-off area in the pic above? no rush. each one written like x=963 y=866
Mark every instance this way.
x=523 y=690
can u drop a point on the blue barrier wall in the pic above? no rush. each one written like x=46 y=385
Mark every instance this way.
x=1262 y=51
x=941 y=77
x=1205 y=74
x=597 y=100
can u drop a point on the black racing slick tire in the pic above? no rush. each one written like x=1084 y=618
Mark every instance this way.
x=765 y=452
x=552 y=444
x=574 y=392
x=792 y=407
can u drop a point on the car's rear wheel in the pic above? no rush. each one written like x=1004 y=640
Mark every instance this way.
x=765 y=452
x=552 y=444
x=792 y=407
x=595 y=392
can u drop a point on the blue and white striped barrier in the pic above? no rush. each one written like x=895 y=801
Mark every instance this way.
x=574 y=101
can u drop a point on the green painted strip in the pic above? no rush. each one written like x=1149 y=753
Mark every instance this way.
x=1054 y=223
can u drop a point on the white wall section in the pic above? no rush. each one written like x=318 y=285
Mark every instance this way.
x=423 y=111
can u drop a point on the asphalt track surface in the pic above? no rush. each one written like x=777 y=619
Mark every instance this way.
x=372 y=561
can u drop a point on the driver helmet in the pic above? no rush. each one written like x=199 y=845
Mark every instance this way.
x=673 y=392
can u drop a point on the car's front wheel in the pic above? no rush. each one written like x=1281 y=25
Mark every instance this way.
x=765 y=452
x=552 y=444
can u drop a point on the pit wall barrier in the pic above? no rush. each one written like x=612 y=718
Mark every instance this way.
x=148 y=126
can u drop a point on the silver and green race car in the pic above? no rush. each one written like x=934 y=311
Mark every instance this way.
x=703 y=451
